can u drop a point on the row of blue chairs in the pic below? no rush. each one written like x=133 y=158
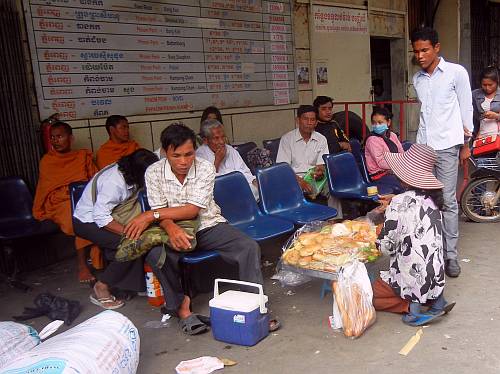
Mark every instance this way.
x=359 y=156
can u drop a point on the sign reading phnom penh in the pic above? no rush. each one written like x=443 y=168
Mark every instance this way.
x=337 y=19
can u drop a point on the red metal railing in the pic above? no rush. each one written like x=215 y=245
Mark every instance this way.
x=401 y=103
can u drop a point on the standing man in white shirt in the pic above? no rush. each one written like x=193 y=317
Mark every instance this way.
x=443 y=88
x=303 y=148
x=225 y=158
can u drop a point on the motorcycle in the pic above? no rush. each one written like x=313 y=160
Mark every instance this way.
x=480 y=200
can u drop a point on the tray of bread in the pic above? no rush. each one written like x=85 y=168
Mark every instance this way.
x=325 y=247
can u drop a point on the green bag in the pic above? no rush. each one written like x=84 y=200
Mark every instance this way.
x=317 y=185
x=153 y=236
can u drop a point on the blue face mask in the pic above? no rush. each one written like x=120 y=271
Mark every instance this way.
x=380 y=128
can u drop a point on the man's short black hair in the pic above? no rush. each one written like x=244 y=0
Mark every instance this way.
x=322 y=100
x=114 y=120
x=62 y=125
x=176 y=135
x=425 y=33
x=306 y=109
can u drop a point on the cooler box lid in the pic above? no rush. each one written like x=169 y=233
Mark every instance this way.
x=237 y=301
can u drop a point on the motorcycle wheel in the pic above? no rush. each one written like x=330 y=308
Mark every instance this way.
x=472 y=201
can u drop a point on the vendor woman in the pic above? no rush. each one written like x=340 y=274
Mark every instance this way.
x=412 y=236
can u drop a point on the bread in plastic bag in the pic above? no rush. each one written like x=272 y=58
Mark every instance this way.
x=353 y=294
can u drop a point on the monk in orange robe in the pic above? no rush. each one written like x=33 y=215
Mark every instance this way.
x=119 y=143
x=58 y=168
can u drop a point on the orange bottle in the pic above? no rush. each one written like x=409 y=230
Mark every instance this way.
x=153 y=288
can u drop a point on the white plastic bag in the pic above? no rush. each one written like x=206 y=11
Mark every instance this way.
x=106 y=343
x=353 y=309
x=200 y=365
x=290 y=279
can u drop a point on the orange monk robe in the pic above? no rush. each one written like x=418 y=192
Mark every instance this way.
x=111 y=152
x=57 y=171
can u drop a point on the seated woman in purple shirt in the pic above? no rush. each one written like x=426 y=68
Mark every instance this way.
x=382 y=140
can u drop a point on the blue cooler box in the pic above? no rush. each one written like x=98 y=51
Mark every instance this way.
x=239 y=317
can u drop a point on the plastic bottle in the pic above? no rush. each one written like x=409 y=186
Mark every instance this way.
x=153 y=288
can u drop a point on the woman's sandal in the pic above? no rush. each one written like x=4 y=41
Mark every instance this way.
x=193 y=325
x=109 y=303
x=421 y=319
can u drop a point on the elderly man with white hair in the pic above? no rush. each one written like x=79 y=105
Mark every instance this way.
x=225 y=158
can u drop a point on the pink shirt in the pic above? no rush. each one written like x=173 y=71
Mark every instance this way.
x=374 y=153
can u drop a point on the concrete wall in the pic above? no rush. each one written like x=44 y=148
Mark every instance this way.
x=446 y=24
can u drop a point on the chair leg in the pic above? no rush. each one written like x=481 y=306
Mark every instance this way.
x=325 y=288
x=11 y=279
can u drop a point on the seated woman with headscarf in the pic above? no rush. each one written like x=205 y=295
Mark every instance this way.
x=108 y=202
x=380 y=141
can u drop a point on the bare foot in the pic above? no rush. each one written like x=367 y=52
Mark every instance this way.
x=184 y=310
x=85 y=276
x=103 y=298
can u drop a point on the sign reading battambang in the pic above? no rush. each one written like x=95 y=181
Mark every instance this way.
x=93 y=58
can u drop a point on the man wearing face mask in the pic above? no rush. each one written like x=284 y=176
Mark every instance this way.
x=382 y=140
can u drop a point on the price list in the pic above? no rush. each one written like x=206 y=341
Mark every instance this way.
x=94 y=58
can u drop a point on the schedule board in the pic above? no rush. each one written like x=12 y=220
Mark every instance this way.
x=94 y=58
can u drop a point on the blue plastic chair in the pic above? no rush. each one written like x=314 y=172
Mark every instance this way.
x=272 y=145
x=234 y=196
x=281 y=196
x=17 y=222
x=344 y=178
x=382 y=189
x=75 y=193
x=143 y=200
x=406 y=144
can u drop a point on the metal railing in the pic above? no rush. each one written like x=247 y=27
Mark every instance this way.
x=401 y=104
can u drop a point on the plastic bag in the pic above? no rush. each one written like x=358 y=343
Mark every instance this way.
x=290 y=278
x=316 y=184
x=105 y=343
x=353 y=310
x=15 y=339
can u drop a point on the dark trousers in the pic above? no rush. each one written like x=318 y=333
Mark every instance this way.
x=124 y=275
x=233 y=246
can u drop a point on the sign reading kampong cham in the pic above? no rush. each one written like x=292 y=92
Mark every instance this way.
x=338 y=19
x=93 y=58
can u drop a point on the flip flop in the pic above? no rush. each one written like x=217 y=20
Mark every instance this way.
x=109 y=303
x=423 y=319
x=204 y=319
x=274 y=325
x=446 y=309
x=88 y=280
x=192 y=325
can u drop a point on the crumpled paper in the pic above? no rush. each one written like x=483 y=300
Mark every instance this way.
x=200 y=365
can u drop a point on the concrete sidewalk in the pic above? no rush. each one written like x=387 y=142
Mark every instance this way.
x=465 y=341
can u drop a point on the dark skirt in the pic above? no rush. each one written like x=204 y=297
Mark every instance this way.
x=127 y=275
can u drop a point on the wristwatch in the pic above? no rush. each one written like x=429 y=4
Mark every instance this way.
x=156 y=215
